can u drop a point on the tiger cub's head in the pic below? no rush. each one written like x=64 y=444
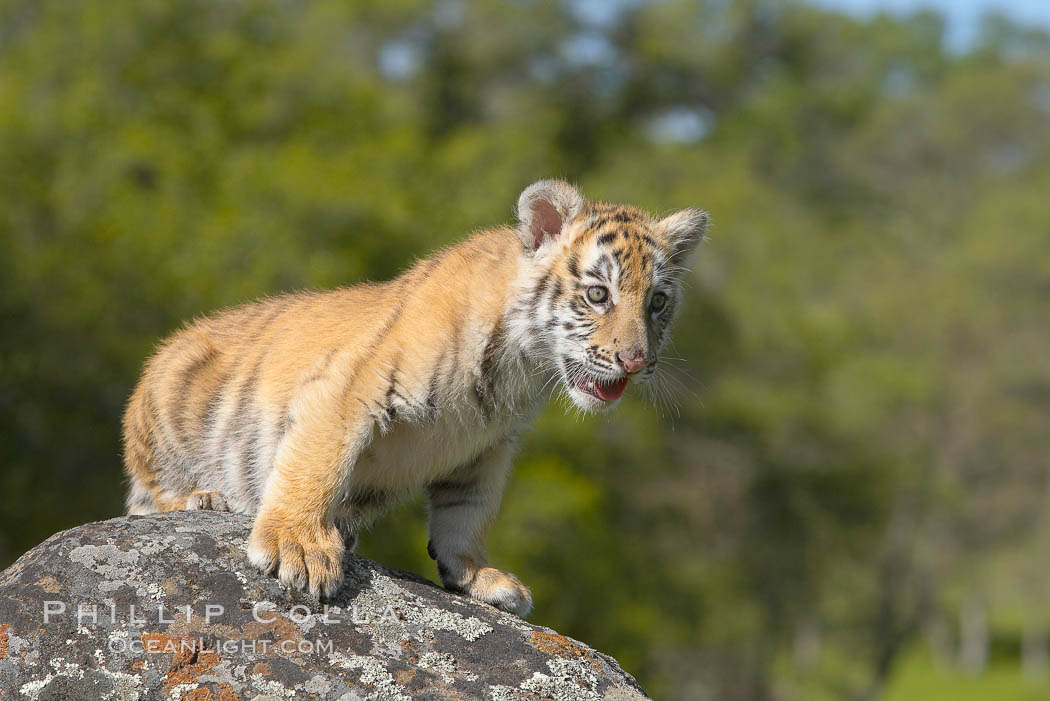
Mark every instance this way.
x=604 y=286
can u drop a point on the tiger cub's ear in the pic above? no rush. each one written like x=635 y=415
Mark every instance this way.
x=682 y=231
x=544 y=208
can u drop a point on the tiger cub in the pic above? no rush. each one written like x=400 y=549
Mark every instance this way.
x=316 y=411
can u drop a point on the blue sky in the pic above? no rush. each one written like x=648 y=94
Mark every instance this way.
x=963 y=15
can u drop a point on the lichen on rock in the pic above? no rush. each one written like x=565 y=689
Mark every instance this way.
x=167 y=606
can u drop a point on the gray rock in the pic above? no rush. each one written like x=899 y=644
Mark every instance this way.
x=167 y=606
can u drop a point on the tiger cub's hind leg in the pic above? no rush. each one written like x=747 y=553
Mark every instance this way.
x=204 y=500
x=144 y=499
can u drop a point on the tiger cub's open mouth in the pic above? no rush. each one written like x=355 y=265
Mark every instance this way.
x=605 y=390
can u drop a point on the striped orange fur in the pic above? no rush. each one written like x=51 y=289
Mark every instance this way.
x=315 y=411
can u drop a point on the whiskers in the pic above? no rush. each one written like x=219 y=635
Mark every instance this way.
x=670 y=383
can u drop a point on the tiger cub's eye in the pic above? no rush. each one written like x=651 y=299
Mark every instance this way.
x=597 y=294
x=658 y=302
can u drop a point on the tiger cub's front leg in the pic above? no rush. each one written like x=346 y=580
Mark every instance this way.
x=462 y=507
x=294 y=531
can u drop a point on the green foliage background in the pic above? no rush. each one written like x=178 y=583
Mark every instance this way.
x=859 y=449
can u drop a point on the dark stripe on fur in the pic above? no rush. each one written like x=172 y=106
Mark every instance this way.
x=184 y=392
x=540 y=289
x=574 y=265
x=432 y=386
x=485 y=388
x=322 y=367
x=376 y=343
x=367 y=497
x=556 y=291
x=246 y=425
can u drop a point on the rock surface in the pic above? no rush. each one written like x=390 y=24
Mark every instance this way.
x=130 y=609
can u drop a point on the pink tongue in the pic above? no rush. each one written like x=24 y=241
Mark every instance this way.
x=612 y=391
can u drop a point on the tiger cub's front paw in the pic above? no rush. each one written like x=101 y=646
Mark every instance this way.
x=501 y=589
x=306 y=556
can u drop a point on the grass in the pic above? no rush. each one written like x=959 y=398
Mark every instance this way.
x=917 y=677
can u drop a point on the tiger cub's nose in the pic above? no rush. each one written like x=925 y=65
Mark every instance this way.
x=635 y=363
